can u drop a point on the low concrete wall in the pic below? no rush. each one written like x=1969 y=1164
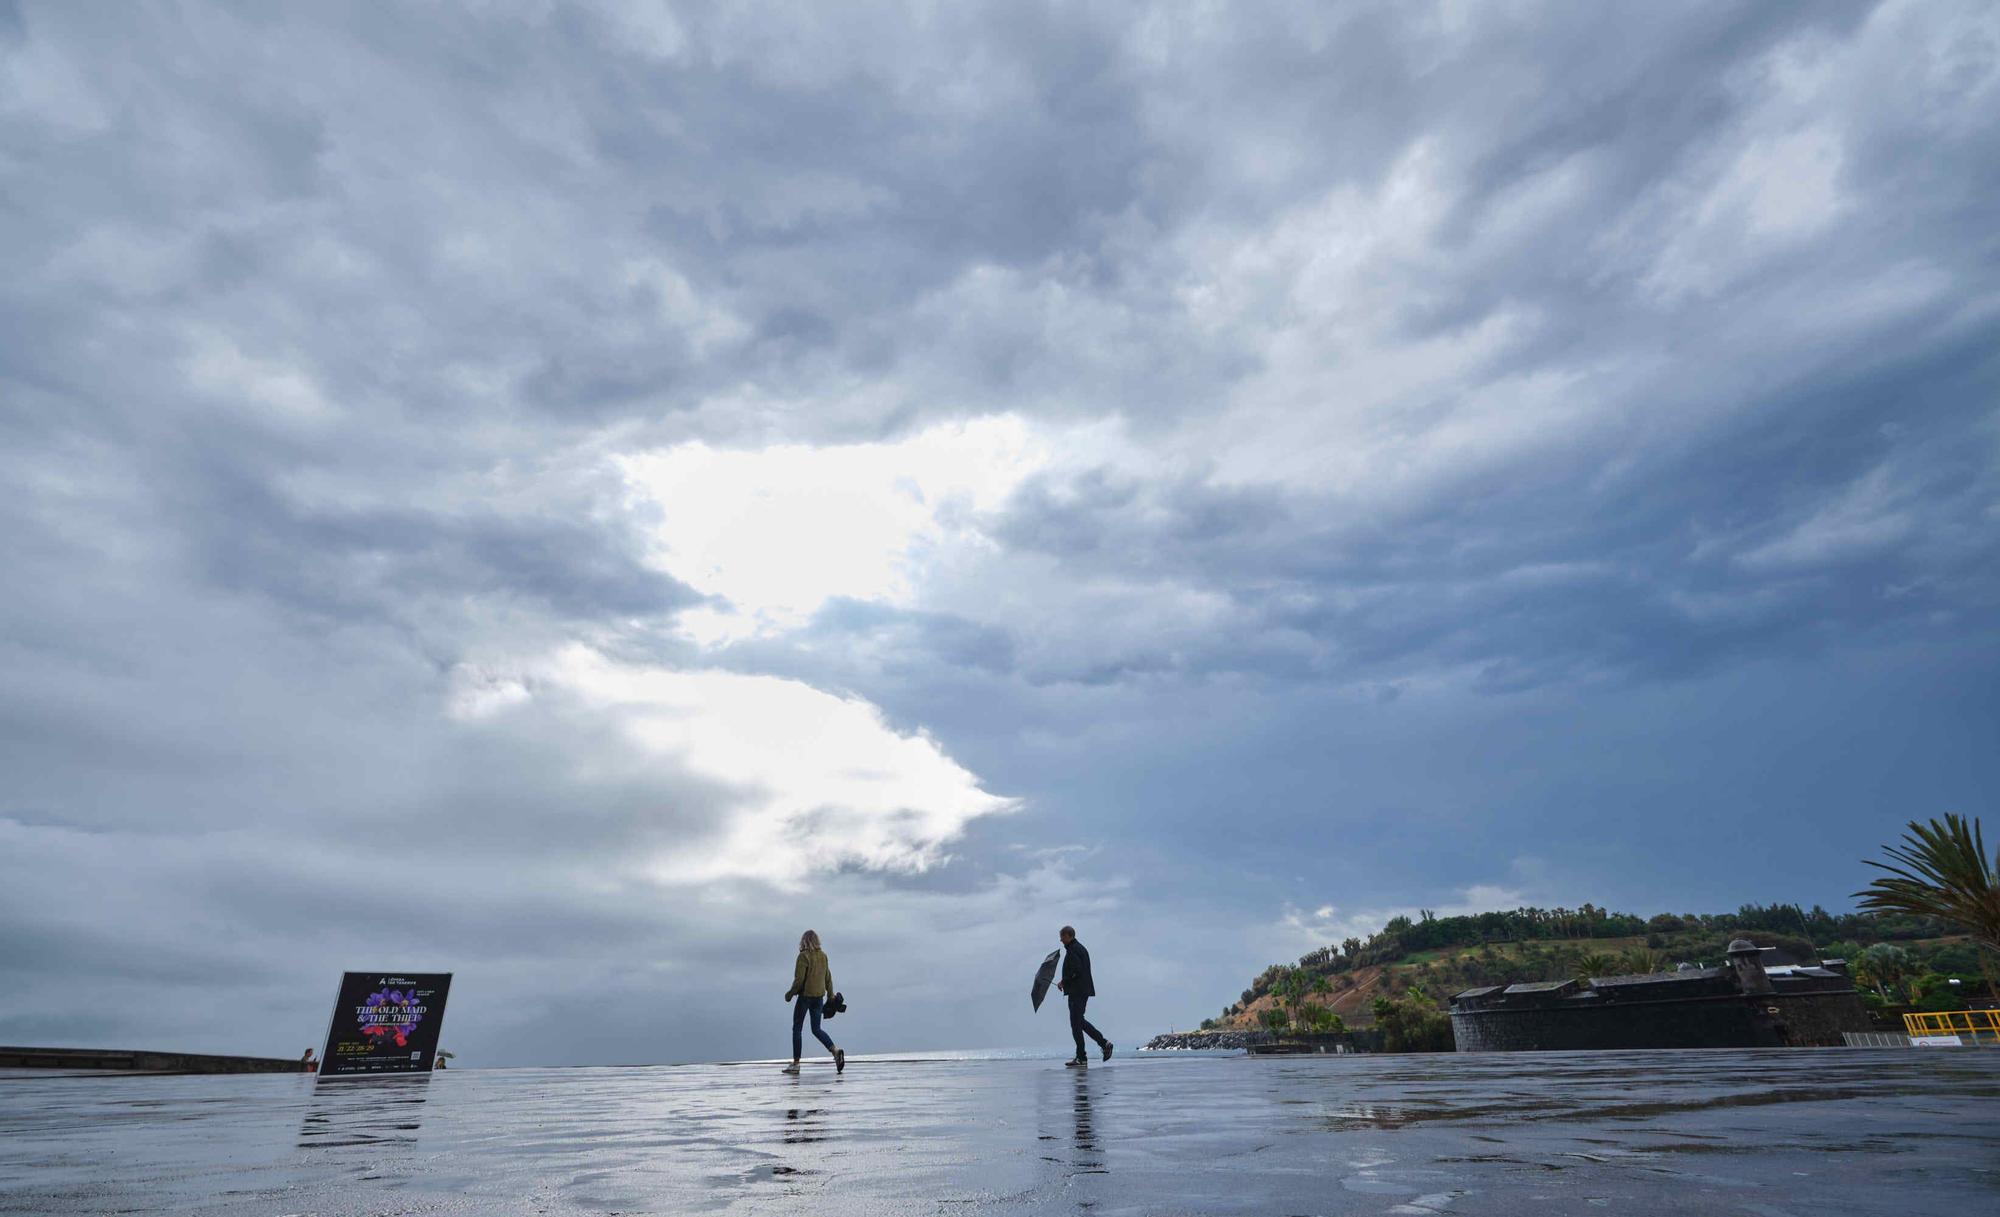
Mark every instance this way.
x=1366 y=1039
x=132 y=1060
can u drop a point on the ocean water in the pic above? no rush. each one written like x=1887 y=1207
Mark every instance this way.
x=1689 y=1133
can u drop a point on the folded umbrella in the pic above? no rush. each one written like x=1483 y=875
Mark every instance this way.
x=1043 y=976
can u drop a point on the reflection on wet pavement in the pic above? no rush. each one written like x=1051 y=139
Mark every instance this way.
x=1086 y=1160
x=383 y=1111
x=1802 y=1132
x=805 y=1125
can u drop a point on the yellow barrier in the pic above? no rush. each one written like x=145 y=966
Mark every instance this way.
x=1972 y=1026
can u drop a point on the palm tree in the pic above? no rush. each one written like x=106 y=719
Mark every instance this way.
x=1640 y=961
x=1942 y=870
x=1594 y=964
x=1291 y=990
x=1885 y=966
x=1944 y=873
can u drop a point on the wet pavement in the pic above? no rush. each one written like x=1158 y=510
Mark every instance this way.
x=1765 y=1133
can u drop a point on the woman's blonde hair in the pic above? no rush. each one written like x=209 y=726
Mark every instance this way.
x=809 y=941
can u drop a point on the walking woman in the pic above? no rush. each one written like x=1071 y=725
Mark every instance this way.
x=812 y=984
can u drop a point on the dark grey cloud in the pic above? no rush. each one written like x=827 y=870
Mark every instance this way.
x=369 y=563
x=1471 y=438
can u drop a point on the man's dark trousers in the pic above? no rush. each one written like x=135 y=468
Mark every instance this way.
x=1079 y=1026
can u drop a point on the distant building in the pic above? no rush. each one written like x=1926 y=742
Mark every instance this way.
x=1741 y=1005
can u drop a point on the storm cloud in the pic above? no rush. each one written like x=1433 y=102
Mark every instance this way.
x=575 y=494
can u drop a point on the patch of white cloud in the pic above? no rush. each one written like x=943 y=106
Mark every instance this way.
x=815 y=782
x=774 y=533
x=1375 y=391
x=262 y=386
x=1348 y=402
x=1775 y=181
x=1770 y=195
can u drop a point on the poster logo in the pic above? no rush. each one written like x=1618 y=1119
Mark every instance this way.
x=385 y=1024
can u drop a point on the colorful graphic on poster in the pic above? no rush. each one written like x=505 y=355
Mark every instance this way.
x=385 y=1023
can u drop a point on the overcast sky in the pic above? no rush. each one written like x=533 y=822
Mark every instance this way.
x=577 y=495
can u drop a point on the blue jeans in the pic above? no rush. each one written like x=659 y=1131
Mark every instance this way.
x=801 y=1007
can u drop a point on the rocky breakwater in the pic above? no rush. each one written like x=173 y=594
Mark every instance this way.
x=1183 y=1041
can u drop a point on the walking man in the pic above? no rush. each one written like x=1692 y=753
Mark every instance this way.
x=1076 y=985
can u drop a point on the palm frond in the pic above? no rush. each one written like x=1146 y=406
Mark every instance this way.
x=1941 y=870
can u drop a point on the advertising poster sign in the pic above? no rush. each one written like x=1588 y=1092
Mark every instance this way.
x=385 y=1023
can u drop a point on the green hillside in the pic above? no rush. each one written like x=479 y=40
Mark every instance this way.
x=1408 y=969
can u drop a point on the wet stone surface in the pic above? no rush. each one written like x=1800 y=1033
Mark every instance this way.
x=1766 y=1133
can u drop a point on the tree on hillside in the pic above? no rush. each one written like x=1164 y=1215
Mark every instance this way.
x=1639 y=961
x=1412 y=1023
x=1292 y=987
x=1327 y=1022
x=1885 y=966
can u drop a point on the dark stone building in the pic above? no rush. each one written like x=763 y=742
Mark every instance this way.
x=1743 y=1005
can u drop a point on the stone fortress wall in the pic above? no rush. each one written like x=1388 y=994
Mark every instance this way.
x=1742 y=1005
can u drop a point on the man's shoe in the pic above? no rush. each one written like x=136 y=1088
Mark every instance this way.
x=792 y=1068
x=1107 y=1050
x=1078 y=1063
x=839 y=1061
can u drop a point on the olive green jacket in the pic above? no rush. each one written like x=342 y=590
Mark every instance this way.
x=811 y=976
